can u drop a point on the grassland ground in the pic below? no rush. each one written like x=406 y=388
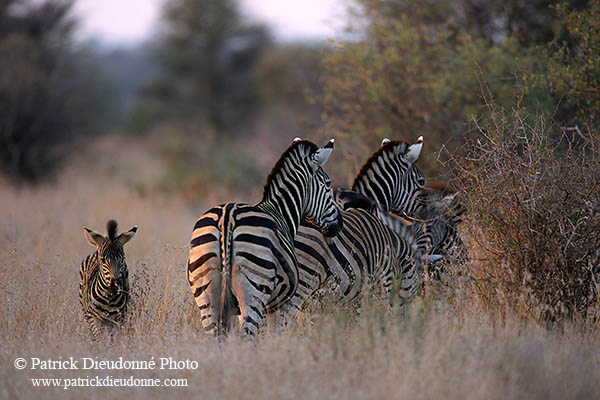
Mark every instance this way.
x=446 y=346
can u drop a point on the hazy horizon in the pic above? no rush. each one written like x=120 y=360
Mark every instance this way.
x=117 y=23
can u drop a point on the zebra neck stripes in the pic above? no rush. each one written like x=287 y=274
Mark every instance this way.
x=389 y=177
x=288 y=227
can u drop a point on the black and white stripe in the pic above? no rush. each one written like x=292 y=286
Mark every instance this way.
x=366 y=252
x=242 y=259
x=390 y=176
x=389 y=184
x=104 y=280
x=437 y=214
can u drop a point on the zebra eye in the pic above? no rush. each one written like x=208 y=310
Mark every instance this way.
x=421 y=181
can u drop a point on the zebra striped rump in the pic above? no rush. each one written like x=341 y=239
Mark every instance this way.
x=232 y=259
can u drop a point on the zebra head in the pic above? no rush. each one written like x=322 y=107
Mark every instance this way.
x=319 y=205
x=440 y=210
x=111 y=256
x=390 y=176
x=437 y=199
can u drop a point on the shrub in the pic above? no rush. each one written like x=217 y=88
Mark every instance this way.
x=532 y=195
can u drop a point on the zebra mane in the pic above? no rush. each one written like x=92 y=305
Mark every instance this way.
x=388 y=146
x=111 y=227
x=279 y=164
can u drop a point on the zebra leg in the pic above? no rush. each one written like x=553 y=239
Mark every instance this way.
x=409 y=282
x=94 y=325
x=111 y=334
x=205 y=283
x=288 y=313
x=252 y=295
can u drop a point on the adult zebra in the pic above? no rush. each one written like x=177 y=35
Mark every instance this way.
x=242 y=258
x=366 y=251
x=436 y=216
x=435 y=209
x=390 y=177
x=104 y=279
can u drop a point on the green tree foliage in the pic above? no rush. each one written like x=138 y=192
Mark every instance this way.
x=206 y=56
x=570 y=64
x=50 y=92
x=529 y=22
x=420 y=69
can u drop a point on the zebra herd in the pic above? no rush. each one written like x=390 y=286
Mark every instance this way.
x=247 y=261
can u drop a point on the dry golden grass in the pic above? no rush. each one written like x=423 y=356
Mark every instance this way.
x=446 y=346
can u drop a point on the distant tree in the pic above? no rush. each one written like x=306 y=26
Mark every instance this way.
x=420 y=68
x=530 y=22
x=569 y=65
x=206 y=59
x=50 y=92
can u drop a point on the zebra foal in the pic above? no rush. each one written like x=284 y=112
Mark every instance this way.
x=242 y=260
x=104 y=280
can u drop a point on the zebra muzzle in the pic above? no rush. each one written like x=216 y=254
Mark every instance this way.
x=334 y=228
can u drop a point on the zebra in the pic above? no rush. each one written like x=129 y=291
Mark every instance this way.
x=436 y=216
x=366 y=251
x=103 y=279
x=242 y=258
x=390 y=176
x=434 y=211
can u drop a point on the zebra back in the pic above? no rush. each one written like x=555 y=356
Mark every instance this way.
x=365 y=253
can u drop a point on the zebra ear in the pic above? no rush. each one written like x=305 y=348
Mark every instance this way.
x=414 y=150
x=94 y=238
x=384 y=141
x=296 y=139
x=127 y=236
x=322 y=155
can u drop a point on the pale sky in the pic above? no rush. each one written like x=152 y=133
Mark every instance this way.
x=128 y=21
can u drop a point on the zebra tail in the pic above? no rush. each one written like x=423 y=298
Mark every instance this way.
x=226 y=304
